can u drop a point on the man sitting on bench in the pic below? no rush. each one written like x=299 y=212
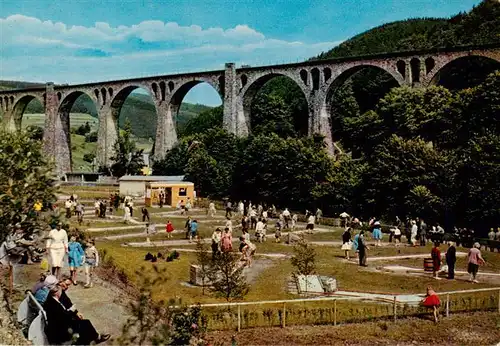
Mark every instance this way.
x=62 y=324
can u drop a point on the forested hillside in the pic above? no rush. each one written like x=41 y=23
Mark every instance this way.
x=478 y=27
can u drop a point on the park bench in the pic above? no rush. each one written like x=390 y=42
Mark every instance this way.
x=32 y=316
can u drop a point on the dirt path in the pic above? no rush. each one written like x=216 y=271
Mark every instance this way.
x=258 y=266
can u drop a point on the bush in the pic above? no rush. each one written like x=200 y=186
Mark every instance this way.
x=89 y=157
x=91 y=137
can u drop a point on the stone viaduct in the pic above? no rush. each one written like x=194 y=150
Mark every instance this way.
x=237 y=86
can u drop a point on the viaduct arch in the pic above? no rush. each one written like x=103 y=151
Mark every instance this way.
x=316 y=78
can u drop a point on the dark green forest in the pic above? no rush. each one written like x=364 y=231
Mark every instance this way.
x=429 y=152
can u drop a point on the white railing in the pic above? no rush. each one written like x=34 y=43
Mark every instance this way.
x=391 y=299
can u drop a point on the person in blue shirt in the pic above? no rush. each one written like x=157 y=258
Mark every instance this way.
x=75 y=257
x=193 y=230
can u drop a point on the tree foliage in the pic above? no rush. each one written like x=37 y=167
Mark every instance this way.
x=227 y=277
x=27 y=177
x=154 y=322
x=203 y=260
x=304 y=258
x=127 y=159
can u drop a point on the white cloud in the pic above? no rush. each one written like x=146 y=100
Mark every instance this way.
x=36 y=50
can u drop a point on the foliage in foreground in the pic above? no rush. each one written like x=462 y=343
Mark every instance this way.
x=227 y=278
x=160 y=323
x=26 y=177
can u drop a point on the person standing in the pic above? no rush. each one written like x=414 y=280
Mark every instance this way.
x=145 y=214
x=451 y=259
x=355 y=243
x=397 y=236
x=474 y=259
x=91 y=262
x=68 y=204
x=491 y=238
x=79 y=210
x=310 y=222
x=126 y=215
x=161 y=198
x=194 y=230
x=229 y=224
x=423 y=233
x=228 y=209
x=187 y=226
x=362 y=248
x=97 y=207
x=216 y=242
x=75 y=257
x=286 y=218
x=253 y=218
x=413 y=234
x=346 y=242
x=226 y=241
x=241 y=208
x=211 y=209
x=169 y=228
x=38 y=208
x=436 y=260
x=319 y=215
x=377 y=233
x=57 y=247
x=150 y=230
x=278 y=227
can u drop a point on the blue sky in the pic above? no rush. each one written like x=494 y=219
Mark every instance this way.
x=75 y=41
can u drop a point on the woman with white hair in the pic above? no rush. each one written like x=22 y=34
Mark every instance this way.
x=474 y=259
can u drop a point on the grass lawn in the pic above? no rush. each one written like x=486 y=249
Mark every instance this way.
x=461 y=329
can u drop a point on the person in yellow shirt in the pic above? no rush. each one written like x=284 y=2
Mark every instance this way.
x=38 y=207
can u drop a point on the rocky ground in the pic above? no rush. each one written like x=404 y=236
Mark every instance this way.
x=10 y=333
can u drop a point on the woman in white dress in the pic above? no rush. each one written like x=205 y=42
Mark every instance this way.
x=57 y=247
x=126 y=215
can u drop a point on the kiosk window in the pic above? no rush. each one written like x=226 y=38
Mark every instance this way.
x=182 y=191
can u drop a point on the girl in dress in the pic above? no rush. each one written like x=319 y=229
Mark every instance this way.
x=127 y=214
x=75 y=257
x=169 y=228
x=432 y=301
x=91 y=261
x=436 y=260
x=377 y=233
x=57 y=247
x=226 y=241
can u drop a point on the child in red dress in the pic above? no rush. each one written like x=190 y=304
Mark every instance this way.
x=169 y=228
x=432 y=301
x=436 y=260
